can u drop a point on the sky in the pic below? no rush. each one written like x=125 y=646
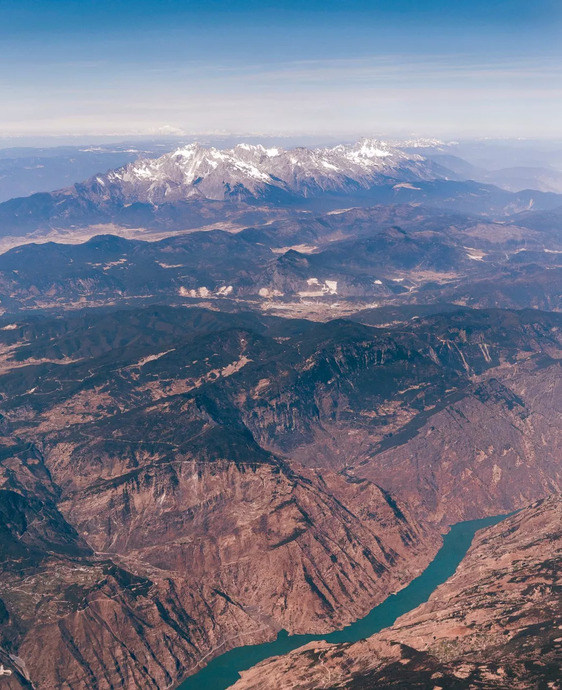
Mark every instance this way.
x=442 y=68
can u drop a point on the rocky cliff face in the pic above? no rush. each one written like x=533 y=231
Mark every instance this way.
x=495 y=624
x=181 y=481
x=170 y=564
x=494 y=449
x=143 y=542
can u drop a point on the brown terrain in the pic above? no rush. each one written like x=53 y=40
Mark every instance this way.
x=140 y=543
x=496 y=624
x=175 y=490
x=231 y=554
x=493 y=450
x=178 y=480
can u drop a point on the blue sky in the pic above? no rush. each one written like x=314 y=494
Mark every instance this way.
x=440 y=68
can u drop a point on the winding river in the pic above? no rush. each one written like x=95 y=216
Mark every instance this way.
x=223 y=671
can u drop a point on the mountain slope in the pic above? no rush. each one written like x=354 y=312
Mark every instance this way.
x=253 y=171
x=208 y=478
x=207 y=555
x=399 y=254
x=494 y=625
x=195 y=186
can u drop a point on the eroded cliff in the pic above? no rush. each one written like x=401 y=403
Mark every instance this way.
x=495 y=624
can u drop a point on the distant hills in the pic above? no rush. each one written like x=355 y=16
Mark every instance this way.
x=197 y=186
x=334 y=263
x=251 y=389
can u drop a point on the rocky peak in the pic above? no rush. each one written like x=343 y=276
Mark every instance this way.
x=195 y=170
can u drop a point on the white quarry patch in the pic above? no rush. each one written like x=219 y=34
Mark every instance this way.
x=169 y=265
x=195 y=292
x=475 y=254
x=398 y=280
x=552 y=251
x=9 y=327
x=318 y=289
x=268 y=292
x=377 y=282
x=203 y=291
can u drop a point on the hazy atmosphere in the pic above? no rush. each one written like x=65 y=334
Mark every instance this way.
x=280 y=345
x=439 y=68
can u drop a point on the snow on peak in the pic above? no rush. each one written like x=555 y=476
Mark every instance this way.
x=371 y=148
x=197 y=171
x=187 y=151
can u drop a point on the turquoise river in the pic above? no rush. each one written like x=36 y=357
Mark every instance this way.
x=223 y=671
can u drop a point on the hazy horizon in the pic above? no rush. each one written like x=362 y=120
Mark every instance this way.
x=316 y=69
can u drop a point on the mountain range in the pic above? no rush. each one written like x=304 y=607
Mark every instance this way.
x=197 y=186
x=330 y=264
x=254 y=172
x=176 y=482
x=248 y=389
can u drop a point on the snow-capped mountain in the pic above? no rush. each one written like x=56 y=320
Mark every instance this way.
x=196 y=186
x=253 y=171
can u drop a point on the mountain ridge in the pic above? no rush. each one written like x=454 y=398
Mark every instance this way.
x=252 y=170
x=196 y=186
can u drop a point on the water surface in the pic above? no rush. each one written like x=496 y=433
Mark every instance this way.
x=223 y=671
